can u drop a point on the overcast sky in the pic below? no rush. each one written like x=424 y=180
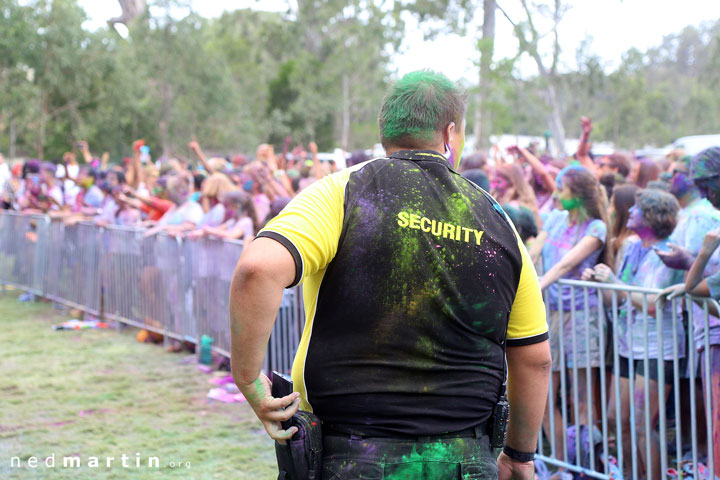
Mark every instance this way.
x=614 y=26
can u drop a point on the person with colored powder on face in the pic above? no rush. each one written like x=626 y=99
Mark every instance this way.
x=652 y=218
x=572 y=239
x=413 y=364
x=703 y=280
x=697 y=217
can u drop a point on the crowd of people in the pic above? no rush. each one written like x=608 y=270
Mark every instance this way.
x=229 y=197
x=618 y=219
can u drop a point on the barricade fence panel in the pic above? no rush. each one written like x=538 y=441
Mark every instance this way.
x=211 y=271
x=631 y=390
x=635 y=384
x=177 y=287
x=23 y=250
x=71 y=273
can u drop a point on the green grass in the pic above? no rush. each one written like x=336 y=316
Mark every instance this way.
x=100 y=393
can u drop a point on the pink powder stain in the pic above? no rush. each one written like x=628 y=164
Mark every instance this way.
x=60 y=424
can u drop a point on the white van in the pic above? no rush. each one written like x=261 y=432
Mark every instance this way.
x=697 y=143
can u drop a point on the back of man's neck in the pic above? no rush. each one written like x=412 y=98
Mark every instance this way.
x=390 y=150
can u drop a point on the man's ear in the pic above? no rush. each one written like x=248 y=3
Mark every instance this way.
x=449 y=133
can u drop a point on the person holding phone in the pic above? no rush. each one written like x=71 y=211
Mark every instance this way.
x=417 y=289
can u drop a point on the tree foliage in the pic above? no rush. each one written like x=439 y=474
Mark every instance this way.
x=244 y=78
x=317 y=72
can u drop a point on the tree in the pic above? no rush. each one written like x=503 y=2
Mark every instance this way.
x=456 y=15
x=17 y=53
x=340 y=71
x=529 y=38
x=486 y=47
x=318 y=73
x=130 y=10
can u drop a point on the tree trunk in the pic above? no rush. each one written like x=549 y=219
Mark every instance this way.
x=40 y=141
x=130 y=10
x=311 y=30
x=164 y=125
x=555 y=120
x=482 y=121
x=345 y=139
x=13 y=138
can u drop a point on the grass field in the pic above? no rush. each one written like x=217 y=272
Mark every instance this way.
x=100 y=393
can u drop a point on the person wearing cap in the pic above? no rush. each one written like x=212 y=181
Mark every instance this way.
x=417 y=288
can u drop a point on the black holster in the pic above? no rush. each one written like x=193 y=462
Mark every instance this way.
x=301 y=456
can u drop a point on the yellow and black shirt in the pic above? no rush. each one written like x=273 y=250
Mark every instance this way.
x=413 y=280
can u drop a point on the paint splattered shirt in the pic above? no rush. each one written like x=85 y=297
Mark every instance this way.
x=641 y=267
x=414 y=280
x=694 y=222
x=561 y=238
x=713 y=282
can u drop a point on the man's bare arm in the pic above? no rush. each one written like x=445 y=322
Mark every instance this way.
x=264 y=270
x=528 y=378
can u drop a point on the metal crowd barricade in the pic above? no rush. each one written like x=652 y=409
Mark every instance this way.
x=72 y=276
x=285 y=336
x=212 y=266
x=648 y=419
x=23 y=250
x=125 y=290
x=637 y=407
x=177 y=287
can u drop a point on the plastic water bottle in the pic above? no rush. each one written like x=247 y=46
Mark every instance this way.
x=205 y=350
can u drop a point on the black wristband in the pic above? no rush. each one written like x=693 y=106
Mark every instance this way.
x=518 y=456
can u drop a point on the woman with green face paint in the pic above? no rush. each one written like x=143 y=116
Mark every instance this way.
x=570 y=203
x=573 y=238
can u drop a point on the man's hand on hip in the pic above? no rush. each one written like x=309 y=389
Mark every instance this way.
x=271 y=411
x=510 y=469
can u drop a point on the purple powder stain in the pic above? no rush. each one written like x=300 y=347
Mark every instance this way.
x=639 y=398
x=84 y=413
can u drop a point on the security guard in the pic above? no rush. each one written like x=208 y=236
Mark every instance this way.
x=416 y=288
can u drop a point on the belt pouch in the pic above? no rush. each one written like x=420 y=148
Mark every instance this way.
x=301 y=457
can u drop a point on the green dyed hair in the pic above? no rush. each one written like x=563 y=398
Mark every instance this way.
x=418 y=108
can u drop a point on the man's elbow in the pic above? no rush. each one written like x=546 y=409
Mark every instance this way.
x=546 y=365
x=542 y=363
x=535 y=357
x=249 y=270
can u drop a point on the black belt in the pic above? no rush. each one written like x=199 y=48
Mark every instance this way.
x=356 y=433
